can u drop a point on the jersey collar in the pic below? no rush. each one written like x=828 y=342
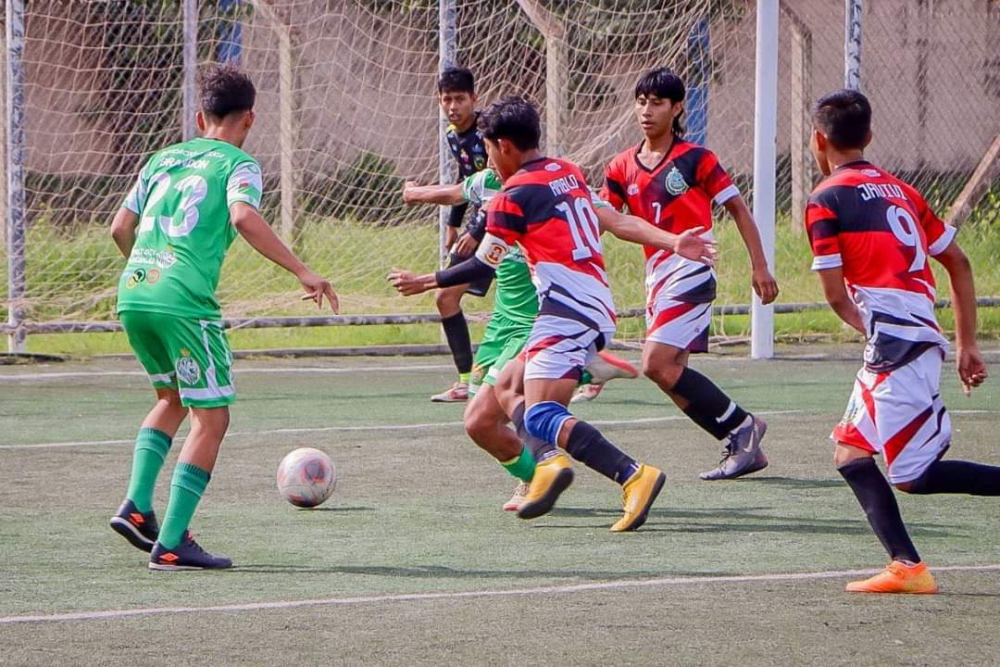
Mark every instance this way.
x=663 y=160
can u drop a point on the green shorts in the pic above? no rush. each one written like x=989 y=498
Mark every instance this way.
x=504 y=339
x=191 y=356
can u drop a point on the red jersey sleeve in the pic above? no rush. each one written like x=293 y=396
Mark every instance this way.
x=823 y=228
x=939 y=235
x=505 y=218
x=613 y=191
x=713 y=180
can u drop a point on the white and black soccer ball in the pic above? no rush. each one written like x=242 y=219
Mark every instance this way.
x=306 y=477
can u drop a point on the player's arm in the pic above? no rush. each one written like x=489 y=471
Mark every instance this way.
x=480 y=266
x=764 y=283
x=835 y=291
x=252 y=227
x=123 y=230
x=443 y=195
x=971 y=366
x=636 y=230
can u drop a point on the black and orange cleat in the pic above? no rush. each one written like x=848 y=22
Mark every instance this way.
x=188 y=555
x=139 y=528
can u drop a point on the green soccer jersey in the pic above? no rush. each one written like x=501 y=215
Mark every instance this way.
x=182 y=198
x=516 y=297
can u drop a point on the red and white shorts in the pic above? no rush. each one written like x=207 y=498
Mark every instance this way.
x=900 y=415
x=560 y=348
x=678 y=324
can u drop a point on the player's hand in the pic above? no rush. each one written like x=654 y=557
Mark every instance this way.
x=316 y=288
x=450 y=236
x=971 y=368
x=764 y=285
x=408 y=197
x=406 y=282
x=690 y=245
x=466 y=245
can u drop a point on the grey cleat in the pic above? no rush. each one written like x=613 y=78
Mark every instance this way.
x=742 y=454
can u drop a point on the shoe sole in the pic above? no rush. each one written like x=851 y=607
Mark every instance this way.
x=159 y=567
x=125 y=528
x=623 y=370
x=545 y=504
x=641 y=518
x=435 y=399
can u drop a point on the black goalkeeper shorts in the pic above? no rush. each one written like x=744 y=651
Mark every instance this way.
x=478 y=288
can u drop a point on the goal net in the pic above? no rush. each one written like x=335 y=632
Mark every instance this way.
x=347 y=111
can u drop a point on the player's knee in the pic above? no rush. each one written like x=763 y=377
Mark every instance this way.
x=844 y=454
x=476 y=422
x=544 y=420
x=665 y=375
x=447 y=301
x=214 y=421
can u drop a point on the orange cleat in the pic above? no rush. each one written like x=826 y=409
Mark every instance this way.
x=897 y=577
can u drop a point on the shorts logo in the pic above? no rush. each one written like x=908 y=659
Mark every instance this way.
x=676 y=185
x=853 y=409
x=633 y=189
x=187 y=368
x=137 y=277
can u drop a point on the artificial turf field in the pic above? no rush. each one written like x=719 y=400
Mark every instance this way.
x=412 y=562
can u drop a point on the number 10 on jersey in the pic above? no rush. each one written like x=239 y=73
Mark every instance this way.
x=583 y=225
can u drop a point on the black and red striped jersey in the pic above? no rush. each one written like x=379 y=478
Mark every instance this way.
x=881 y=232
x=675 y=195
x=548 y=210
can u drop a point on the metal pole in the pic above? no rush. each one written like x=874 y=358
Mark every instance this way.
x=764 y=139
x=446 y=58
x=288 y=130
x=190 y=67
x=16 y=342
x=852 y=44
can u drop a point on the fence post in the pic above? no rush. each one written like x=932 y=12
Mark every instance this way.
x=16 y=339
x=288 y=128
x=190 y=67
x=446 y=58
x=555 y=71
x=852 y=44
x=801 y=100
x=764 y=159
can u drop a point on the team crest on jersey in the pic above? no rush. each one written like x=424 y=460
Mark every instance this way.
x=187 y=368
x=633 y=189
x=137 y=277
x=676 y=185
x=872 y=173
x=552 y=166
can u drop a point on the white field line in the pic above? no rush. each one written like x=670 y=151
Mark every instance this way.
x=459 y=595
x=375 y=427
x=62 y=375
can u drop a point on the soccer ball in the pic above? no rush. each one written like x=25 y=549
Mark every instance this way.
x=306 y=477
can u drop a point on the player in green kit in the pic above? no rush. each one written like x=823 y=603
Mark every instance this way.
x=175 y=226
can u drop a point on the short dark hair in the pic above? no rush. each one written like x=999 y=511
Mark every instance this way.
x=457 y=80
x=845 y=117
x=665 y=84
x=225 y=89
x=514 y=119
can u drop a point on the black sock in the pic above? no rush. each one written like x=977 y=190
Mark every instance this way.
x=708 y=406
x=456 y=330
x=974 y=479
x=589 y=447
x=879 y=502
x=540 y=449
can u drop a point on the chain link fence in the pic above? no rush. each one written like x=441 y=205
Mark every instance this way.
x=347 y=111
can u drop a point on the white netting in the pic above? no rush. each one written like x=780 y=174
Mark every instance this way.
x=359 y=113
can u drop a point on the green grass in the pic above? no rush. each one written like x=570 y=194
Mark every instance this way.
x=73 y=276
x=417 y=511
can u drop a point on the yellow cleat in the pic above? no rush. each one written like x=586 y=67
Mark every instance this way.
x=897 y=578
x=638 y=495
x=552 y=477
